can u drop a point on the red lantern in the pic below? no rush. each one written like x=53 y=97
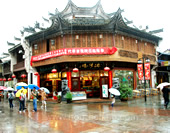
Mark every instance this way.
x=75 y=70
x=106 y=69
x=13 y=76
x=36 y=73
x=54 y=70
x=9 y=79
x=4 y=79
x=23 y=75
x=1 y=79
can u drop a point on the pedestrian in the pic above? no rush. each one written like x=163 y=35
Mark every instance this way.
x=43 y=98
x=1 y=94
x=54 y=95
x=165 y=91
x=10 y=99
x=113 y=100
x=34 y=94
x=22 y=102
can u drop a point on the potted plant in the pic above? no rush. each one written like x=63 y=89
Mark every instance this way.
x=125 y=92
x=68 y=97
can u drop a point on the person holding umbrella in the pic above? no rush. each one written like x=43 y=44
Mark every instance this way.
x=114 y=92
x=10 y=99
x=43 y=98
x=34 y=94
x=165 y=91
x=22 y=101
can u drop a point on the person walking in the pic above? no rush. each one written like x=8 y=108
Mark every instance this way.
x=113 y=100
x=34 y=94
x=1 y=94
x=43 y=98
x=165 y=91
x=22 y=102
x=10 y=99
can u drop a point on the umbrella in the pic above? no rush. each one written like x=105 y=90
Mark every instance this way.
x=20 y=85
x=162 y=85
x=18 y=93
x=2 y=88
x=114 y=92
x=45 y=89
x=32 y=86
x=9 y=89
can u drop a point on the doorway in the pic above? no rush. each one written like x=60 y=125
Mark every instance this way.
x=104 y=87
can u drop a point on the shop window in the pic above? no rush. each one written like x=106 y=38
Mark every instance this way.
x=121 y=77
x=104 y=73
x=140 y=83
x=64 y=74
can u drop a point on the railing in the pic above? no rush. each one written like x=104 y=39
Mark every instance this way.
x=19 y=65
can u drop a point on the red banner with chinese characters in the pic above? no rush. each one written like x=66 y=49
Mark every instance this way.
x=147 y=71
x=69 y=79
x=140 y=71
x=74 y=51
x=110 y=79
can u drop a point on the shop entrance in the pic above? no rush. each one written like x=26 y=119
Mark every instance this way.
x=104 y=86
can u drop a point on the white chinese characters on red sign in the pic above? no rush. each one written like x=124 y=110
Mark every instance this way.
x=74 y=51
x=140 y=71
x=147 y=71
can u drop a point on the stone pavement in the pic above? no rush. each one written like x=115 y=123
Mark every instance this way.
x=134 y=116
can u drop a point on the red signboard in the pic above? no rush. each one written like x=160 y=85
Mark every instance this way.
x=110 y=79
x=147 y=71
x=74 y=51
x=140 y=71
x=69 y=79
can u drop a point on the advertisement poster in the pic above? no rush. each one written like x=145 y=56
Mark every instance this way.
x=105 y=91
x=147 y=71
x=140 y=71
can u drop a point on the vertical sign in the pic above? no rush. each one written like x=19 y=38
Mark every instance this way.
x=105 y=91
x=69 y=79
x=110 y=79
x=140 y=71
x=147 y=71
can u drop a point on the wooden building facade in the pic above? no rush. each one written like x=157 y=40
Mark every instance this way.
x=89 y=39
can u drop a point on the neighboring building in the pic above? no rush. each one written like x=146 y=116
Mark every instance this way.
x=89 y=39
x=163 y=69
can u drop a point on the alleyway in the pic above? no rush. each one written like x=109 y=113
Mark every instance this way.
x=125 y=117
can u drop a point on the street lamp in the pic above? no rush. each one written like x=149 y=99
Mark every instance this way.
x=146 y=70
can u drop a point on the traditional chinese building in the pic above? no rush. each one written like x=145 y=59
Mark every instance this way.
x=101 y=47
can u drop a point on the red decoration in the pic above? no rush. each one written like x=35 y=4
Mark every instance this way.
x=54 y=70
x=140 y=71
x=75 y=70
x=9 y=79
x=106 y=69
x=1 y=79
x=147 y=71
x=74 y=51
x=4 y=79
x=36 y=73
x=13 y=76
x=23 y=75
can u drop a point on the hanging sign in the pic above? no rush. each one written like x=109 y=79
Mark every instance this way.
x=140 y=71
x=110 y=79
x=74 y=51
x=69 y=80
x=147 y=71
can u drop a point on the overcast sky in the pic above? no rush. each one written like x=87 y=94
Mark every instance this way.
x=16 y=14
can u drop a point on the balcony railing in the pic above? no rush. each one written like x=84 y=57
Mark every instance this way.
x=19 y=66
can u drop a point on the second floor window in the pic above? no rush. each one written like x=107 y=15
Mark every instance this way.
x=35 y=46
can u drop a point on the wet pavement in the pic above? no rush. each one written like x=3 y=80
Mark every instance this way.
x=134 y=116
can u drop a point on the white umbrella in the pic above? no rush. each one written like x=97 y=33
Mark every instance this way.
x=45 y=89
x=114 y=92
x=21 y=84
x=162 y=85
x=9 y=89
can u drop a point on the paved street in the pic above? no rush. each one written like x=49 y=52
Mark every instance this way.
x=125 y=117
